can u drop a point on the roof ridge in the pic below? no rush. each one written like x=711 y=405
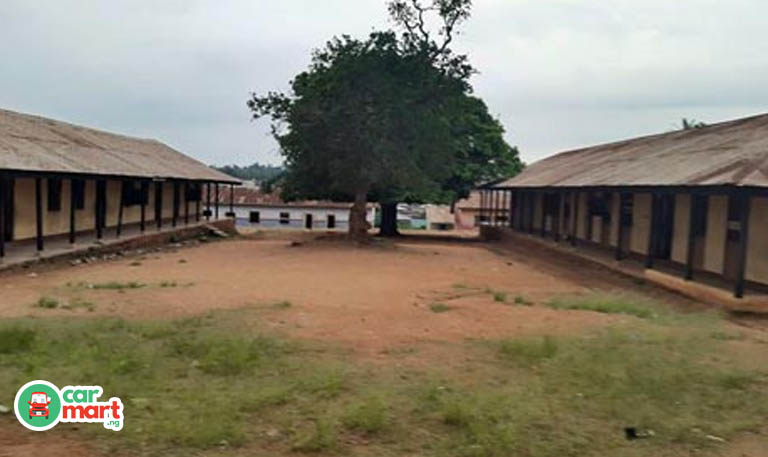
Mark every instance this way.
x=73 y=125
x=653 y=136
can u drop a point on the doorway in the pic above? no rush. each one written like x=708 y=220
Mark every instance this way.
x=308 y=223
x=331 y=221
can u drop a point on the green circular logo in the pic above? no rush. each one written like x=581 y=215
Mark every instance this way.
x=38 y=405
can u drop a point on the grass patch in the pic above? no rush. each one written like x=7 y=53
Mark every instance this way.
x=499 y=297
x=322 y=438
x=522 y=301
x=116 y=285
x=47 y=303
x=371 y=416
x=168 y=284
x=207 y=384
x=607 y=304
x=16 y=339
x=285 y=304
x=528 y=352
x=439 y=308
x=77 y=303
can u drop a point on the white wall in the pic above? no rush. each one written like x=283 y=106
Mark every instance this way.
x=270 y=216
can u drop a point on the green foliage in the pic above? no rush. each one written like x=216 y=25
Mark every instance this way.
x=322 y=438
x=499 y=296
x=528 y=352
x=16 y=339
x=47 y=303
x=371 y=416
x=607 y=304
x=439 y=308
x=284 y=304
x=522 y=301
x=254 y=172
x=388 y=118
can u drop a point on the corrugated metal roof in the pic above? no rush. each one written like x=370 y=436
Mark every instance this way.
x=245 y=196
x=33 y=143
x=728 y=153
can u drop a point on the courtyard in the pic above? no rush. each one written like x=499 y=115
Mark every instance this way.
x=295 y=344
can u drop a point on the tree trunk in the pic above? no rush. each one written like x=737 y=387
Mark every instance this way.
x=388 y=225
x=358 y=225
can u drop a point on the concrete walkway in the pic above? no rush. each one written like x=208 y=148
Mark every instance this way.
x=25 y=252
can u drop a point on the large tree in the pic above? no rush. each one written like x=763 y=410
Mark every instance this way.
x=389 y=118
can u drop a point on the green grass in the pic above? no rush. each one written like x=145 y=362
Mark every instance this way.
x=113 y=285
x=284 y=304
x=47 y=303
x=500 y=297
x=522 y=301
x=201 y=385
x=370 y=416
x=77 y=303
x=16 y=339
x=607 y=304
x=439 y=308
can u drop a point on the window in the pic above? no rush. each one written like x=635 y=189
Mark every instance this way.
x=78 y=193
x=54 y=194
x=285 y=218
x=135 y=193
x=194 y=192
x=331 y=221
x=255 y=217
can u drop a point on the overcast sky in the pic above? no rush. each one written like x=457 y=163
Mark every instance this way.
x=559 y=73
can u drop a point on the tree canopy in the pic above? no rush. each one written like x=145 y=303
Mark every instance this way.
x=390 y=118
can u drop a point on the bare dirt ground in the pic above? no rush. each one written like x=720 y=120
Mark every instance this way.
x=372 y=298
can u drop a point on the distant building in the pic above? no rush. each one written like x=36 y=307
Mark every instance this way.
x=439 y=217
x=255 y=208
x=63 y=181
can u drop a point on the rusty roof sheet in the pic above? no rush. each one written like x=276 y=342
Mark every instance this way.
x=728 y=153
x=245 y=196
x=33 y=143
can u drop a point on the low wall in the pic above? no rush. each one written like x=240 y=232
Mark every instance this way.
x=691 y=289
x=147 y=240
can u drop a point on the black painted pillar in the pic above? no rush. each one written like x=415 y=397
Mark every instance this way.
x=3 y=198
x=198 y=197
x=575 y=219
x=746 y=204
x=120 y=205
x=232 y=200
x=175 y=215
x=691 y=237
x=652 y=232
x=217 y=201
x=72 y=210
x=159 y=205
x=620 y=222
x=543 y=199
x=39 y=212
x=144 y=198
x=186 y=202
x=208 y=204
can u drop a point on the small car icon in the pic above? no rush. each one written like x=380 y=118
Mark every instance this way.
x=38 y=405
